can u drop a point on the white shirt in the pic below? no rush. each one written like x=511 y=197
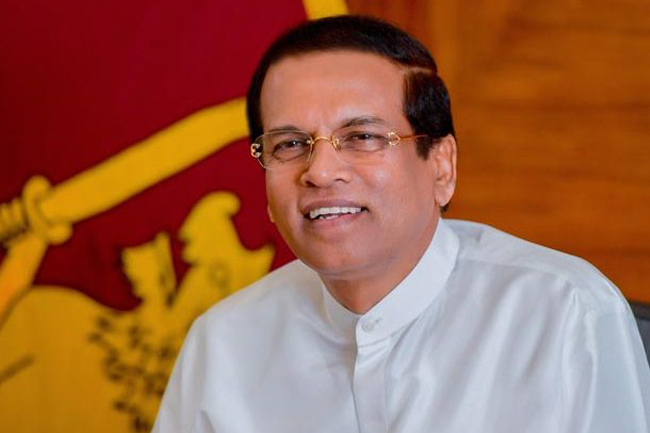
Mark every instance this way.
x=487 y=334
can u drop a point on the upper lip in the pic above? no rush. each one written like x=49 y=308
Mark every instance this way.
x=308 y=207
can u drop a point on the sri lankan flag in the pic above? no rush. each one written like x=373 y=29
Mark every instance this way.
x=128 y=202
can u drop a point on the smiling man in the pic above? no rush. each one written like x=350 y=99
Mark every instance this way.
x=362 y=211
x=393 y=319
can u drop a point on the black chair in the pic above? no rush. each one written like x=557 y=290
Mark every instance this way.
x=642 y=315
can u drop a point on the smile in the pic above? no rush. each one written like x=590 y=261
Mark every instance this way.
x=332 y=212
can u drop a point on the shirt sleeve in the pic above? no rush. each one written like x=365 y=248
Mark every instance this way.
x=606 y=375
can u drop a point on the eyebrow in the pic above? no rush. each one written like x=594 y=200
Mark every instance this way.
x=363 y=120
x=284 y=128
x=354 y=121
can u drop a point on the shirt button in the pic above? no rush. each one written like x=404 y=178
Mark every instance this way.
x=370 y=325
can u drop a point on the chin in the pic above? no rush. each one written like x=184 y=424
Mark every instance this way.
x=338 y=266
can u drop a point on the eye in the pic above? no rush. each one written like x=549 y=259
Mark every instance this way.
x=290 y=144
x=363 y=141
x=362 y=136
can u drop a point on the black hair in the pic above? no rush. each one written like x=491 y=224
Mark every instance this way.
x=426 y=102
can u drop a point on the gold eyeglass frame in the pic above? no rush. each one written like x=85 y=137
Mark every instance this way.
x=393 y=140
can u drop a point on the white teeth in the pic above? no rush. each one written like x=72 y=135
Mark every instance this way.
x=325 y=211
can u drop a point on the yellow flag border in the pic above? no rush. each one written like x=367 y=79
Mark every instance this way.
x=324 y=8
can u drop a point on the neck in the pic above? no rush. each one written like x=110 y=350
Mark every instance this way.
x=361 y=290
x=359 y=296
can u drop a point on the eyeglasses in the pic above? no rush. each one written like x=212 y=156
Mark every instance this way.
x=278 y=150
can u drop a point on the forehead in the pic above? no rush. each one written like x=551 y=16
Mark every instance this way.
x=323 y=89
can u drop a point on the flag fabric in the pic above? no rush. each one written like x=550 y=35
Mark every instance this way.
x=128 y=199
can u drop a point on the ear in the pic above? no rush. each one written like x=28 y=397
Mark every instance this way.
x=268 y=211
x=444 y=158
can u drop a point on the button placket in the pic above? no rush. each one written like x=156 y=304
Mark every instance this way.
x=369 y=377
x=370 y=324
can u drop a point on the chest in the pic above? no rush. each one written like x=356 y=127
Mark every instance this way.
x=484 y=378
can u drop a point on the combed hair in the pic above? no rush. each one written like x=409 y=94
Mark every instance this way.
x=426 y=102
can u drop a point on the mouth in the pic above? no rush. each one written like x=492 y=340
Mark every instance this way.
x=330 y=213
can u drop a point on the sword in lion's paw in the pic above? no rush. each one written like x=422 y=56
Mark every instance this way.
x=44 y=214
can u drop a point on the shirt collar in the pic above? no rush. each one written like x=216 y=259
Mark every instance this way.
x=406 y=301
x=339 y=316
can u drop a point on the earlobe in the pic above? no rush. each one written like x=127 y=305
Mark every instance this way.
x=445 y=160
x=268 y=211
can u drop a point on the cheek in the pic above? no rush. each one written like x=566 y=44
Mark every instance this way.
x=280 y=196
x=392 y=191
x=273 y=197
x=381 y=176
x=403 y=190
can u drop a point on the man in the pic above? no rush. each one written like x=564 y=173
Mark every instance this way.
x=393 y=319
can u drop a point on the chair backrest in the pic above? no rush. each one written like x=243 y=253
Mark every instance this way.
x=642 y=315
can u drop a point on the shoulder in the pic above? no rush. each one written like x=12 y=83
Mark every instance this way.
x=545 y=269
x=292 y=287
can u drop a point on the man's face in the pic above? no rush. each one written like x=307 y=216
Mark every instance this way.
x=398 y=196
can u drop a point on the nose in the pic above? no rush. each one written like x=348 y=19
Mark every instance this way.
x=325 y=166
